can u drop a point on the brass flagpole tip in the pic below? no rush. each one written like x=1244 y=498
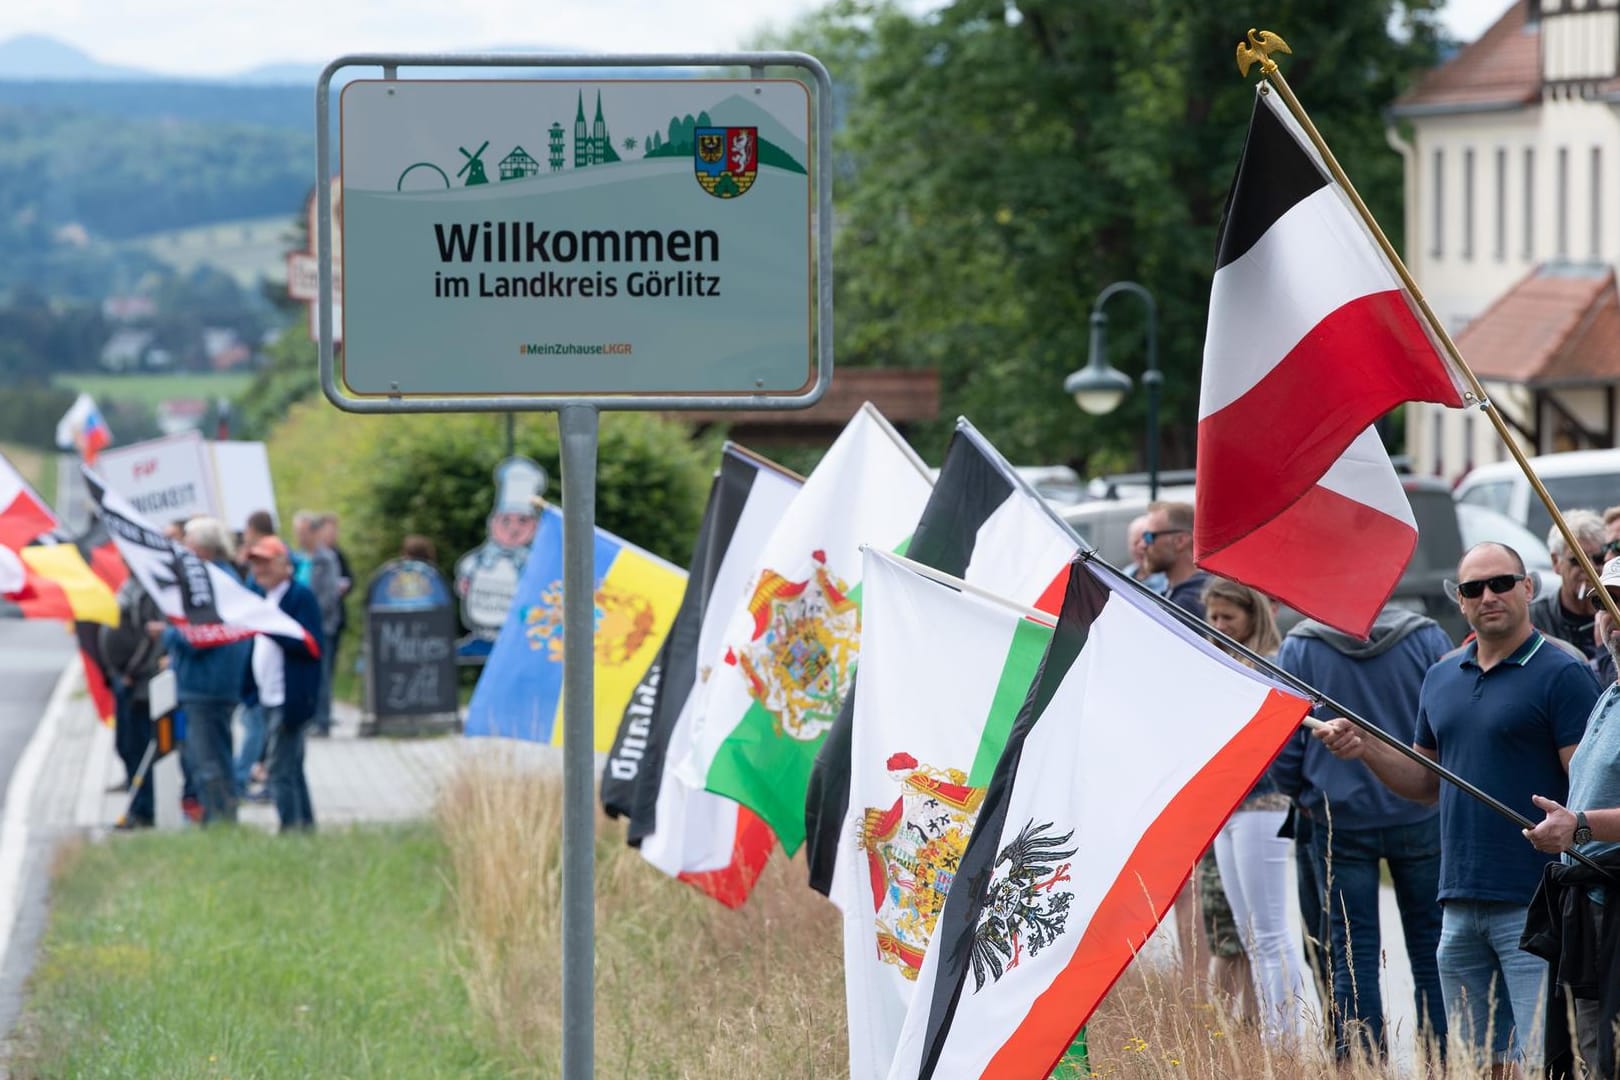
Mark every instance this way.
x=1257 y=48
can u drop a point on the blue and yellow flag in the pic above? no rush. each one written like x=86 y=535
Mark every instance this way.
x=519 y=694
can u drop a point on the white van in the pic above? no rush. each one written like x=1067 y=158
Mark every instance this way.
x=1577 y=480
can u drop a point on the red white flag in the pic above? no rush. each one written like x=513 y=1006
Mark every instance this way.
x=206 y=604
x=1312 y=337
x=23 y=514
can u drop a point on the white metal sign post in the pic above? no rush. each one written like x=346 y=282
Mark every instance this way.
x=623 y=242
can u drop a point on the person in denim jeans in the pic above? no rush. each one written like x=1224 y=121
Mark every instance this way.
x=286 y=675
x=1352 y=823
x=208 y=681
x=1505 y=713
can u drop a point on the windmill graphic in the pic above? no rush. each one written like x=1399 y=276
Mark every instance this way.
x=475 y=165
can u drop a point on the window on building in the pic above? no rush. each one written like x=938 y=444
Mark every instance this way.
x=1561 y=230
x=1439 y=204
x=1499 y=245
x=1594 y=247
x=1529 y=204
x=1468 y=205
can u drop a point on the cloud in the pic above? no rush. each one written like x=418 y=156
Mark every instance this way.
x=205 y=37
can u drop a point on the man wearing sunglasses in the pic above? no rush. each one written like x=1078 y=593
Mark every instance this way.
x=1568 y=614
x=1504 y=712
x=1168 y=547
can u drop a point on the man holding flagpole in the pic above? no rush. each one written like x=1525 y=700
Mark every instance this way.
x=209 y=680
x=1505 y=712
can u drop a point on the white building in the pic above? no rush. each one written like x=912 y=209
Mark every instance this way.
x=1512 y=153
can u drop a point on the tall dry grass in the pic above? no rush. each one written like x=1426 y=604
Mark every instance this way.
x=684 y=987
x=687 y=988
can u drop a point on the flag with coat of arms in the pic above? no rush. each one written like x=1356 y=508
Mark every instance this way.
x=520 y=691
x=788 y=656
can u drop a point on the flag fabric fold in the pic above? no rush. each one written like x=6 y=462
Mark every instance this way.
x=13 y=575
x=63 y=586
x=1312 y=337
x=206 y=604
x=520 y=691
x=944 y=672
x=23 y=514
x=704 y=839
x=789 y=652
x=984 y=524
x=1113 y=781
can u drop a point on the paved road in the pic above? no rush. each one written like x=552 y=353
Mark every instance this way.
x=32 y=658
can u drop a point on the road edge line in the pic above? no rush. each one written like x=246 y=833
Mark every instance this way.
x=19 y=799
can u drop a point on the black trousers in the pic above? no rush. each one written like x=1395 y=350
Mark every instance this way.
x=132 y=734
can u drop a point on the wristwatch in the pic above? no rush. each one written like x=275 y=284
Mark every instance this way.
x=1583 y=831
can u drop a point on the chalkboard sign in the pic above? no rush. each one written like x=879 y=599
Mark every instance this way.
x=410 y=642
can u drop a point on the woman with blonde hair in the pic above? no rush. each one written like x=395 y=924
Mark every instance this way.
x=1257 y=866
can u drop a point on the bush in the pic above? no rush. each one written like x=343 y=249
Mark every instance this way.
x=388 y=476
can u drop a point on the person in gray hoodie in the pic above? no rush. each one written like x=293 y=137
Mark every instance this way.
x=1354 y=822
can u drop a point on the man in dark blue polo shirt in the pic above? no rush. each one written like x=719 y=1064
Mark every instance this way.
x=1504 y=713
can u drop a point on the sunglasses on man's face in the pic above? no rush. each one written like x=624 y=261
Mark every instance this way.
x=1501 y=583
x=1153 y=534
x=1610 y=550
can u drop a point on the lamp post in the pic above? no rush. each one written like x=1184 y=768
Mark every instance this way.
x=1098 y=388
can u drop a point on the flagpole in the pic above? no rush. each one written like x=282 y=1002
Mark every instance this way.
x=1258 y=49
x=950 y=581
x=761 y=460
x=1204 y=629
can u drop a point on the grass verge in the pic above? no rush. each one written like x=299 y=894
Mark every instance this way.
x=238 y=954
x=435 y=950
x=151 y=389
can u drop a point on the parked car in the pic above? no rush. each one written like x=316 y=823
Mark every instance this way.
x=1588 y=479
x=1446 y=528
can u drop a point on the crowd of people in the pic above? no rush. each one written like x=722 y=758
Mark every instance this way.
x=277 y=690
x=1504 y=928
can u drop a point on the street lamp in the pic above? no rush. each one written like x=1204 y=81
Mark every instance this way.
x=1098 y=388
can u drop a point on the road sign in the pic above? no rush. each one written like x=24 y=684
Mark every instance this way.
x=674 y=251
x=606 y=239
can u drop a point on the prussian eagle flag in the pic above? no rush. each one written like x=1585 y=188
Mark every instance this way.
x=704 y=839
x=206 y=604
x=944 y=671
x=1114 y=779
x=520 y=692
x=1312 y=337
x=23 y=514
x=982 y=523
x=788 y=655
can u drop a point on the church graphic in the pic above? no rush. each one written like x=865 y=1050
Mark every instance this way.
x=593 y=145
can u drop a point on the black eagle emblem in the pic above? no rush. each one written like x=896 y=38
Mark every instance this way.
x=1024 y=911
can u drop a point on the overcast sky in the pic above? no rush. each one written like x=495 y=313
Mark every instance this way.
x=212 y=37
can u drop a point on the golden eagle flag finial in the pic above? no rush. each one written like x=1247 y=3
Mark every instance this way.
x=1259 y=47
